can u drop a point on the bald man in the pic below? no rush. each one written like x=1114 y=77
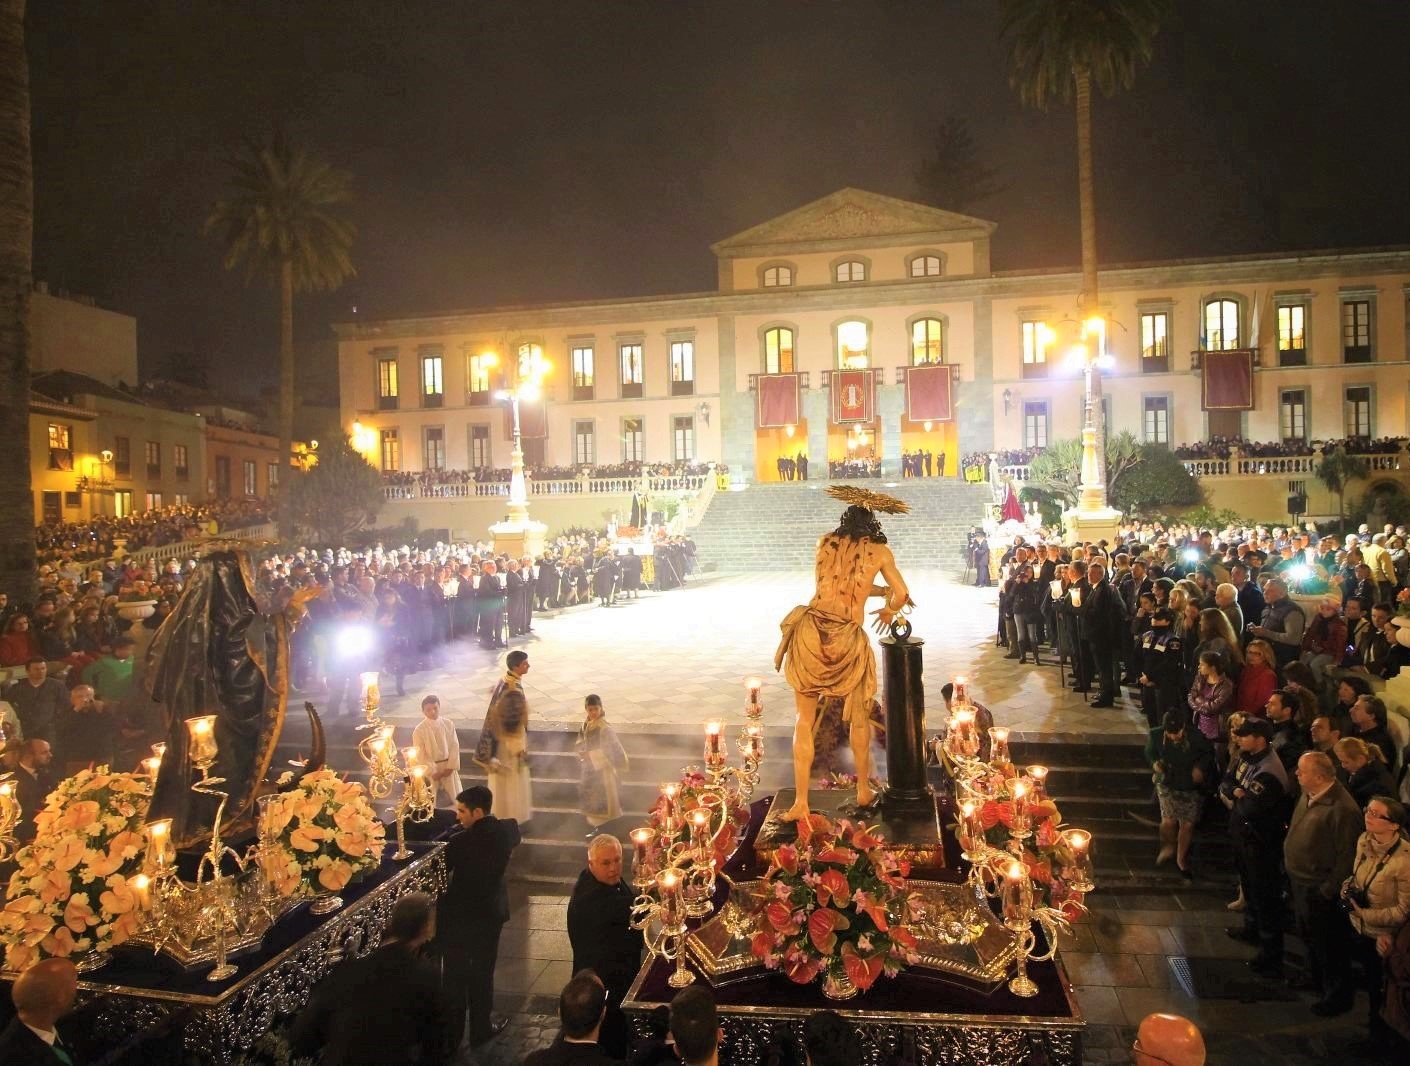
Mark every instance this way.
x=1167 y=1040
x=42 y=995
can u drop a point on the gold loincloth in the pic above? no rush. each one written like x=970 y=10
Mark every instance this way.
x=826 y=656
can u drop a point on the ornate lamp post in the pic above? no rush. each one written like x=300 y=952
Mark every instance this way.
x=1093 y=518
x=517 y=535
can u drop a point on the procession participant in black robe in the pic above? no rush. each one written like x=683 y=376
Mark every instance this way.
x=604 y=580
x=490 y=598
x=631 y=573
x=546 y=586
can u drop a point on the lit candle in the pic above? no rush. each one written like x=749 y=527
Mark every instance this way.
x=159 y=749
x=714 y=745
x=152 y=766
x=142 y=889
x=754 y=742
x=999 y=746
x=410 y=755
x=158 y=838
x=371 y=691
x=1039 y=776
x=203 y=747
x=960 y=696
x=1020 y=797
x=641 y=843
x=1016 y=891
x=377 y=744
x=753 y=684
x=668 y=792
x=668 y=883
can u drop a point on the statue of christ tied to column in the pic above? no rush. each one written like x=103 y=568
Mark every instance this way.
x=825 y=650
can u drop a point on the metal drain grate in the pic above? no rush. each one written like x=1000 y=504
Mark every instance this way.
x=1180 y=968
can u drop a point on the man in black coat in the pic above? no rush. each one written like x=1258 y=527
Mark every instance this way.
x=473 y=911
x=385 y=1009
x=582 y=1006
x=42 y=995
x=599 y=929
x=489 y=602
x=546 y=586
x=1103 y=619
x=34 y=780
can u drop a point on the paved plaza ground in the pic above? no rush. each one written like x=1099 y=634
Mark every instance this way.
x=669 y=659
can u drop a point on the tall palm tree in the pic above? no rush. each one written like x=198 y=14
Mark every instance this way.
x=1057 y=50
x=17 y=574
x=280 y=222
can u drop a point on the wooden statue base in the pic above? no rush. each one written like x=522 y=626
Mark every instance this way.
x=913 y=831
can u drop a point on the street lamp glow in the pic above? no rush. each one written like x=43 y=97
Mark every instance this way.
x=529 y=391
x=489 y=359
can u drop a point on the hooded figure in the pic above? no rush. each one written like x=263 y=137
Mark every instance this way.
x=218 y=654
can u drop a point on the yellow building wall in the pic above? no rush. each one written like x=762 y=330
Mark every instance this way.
x=65 y=482
x=71 y=334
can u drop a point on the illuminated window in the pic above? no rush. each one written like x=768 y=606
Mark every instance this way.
x=433 y=392
x=1356 y=331
x=154 y=459
x=1292 y=414
x=387 y=388
x=181 y=459
x=682 y=368
x=1155 y=342
x=1155 y=419
x=777 y=277
x=153 y=501
x=479 y=447
x=582 y=373
x=1356 y=405
x=632 y=440
x=1292 y=335
x=434 y=445
x=1036 y=338
x=1221 y=325
x=778 y=350
x=251 y=474
x=181 y=499
x=683 y=438
x=926 y=334
x=853 y=345
x=391 y=450
x=530 y=358
x=851 y=270
x=60 y=446
x=584 y=442
x=122 y=503
x=1035 y=423
x=632 y=369
x=479 y=371
x=925 y=266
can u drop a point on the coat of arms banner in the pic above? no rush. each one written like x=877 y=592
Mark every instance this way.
x=928 y=394
x=852 y=396
x=777 y=401
x=1228 y=380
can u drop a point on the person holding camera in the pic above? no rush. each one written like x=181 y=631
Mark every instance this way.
x=1377 y=900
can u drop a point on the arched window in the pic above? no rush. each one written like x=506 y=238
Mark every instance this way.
x=777 y=277
x=853 y=345
x=925 y=266
x=927 y=342
x=850 y=270
x=778 y=350
x=1221 y=324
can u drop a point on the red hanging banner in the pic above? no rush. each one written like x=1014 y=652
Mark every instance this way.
x=928 y=395
x=533 y=420
x=851 y=396
x=777 y=401
x=1227 y=380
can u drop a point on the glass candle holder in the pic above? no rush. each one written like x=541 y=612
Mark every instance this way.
x=1038 y=779
x=1079 y=873
x=753 y=743
x=159 y=854
x=668 y=887
x=151 y=766
x=141 y=886
x=1016 y=897
x=714 y=745
x=371 y=690
x=999 y=746
x=641 y=855
x=201 y=747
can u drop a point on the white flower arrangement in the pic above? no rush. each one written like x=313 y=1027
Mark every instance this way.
x=320 y=836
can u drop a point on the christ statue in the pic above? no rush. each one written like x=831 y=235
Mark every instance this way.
x=825 y=651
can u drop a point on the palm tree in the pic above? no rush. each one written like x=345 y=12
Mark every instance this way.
x=280 y=222
x=1337 y=470
x=1057 y=50
x=17 y=572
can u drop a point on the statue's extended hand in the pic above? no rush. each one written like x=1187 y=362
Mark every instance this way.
x=884 y=617
x=301 y=597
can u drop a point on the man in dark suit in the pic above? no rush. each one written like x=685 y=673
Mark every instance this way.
x=546 y=589
x=802 y=466
x=600 y=931
x=385 y=1009
x=33 y=782
x=1103 y=616
x=581 y=1006
x=473 y=911
x=489 y=600
x=42 y=995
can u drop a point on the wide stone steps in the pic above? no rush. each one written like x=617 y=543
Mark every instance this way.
x=1100 y=786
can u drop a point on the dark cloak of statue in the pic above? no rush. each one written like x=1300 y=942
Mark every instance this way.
x=218 y=653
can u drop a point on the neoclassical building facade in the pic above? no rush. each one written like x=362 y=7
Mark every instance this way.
x=864 y=326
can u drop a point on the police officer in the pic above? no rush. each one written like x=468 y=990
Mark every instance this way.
x=1162 y=679
x=1256 y=792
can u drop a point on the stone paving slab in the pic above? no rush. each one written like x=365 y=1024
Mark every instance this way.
x=669 y=659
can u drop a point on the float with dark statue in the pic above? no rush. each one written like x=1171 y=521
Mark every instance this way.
x=931 y=921
x=200 y=900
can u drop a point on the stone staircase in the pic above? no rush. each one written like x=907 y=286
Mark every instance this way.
x=775 y=526
x=1098 y=785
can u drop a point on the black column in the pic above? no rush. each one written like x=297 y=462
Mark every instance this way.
x=904 y=695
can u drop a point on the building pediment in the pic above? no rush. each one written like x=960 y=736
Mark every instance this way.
x=849 y=217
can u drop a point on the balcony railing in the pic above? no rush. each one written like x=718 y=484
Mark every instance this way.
x=587 y=486
x=1292 y=466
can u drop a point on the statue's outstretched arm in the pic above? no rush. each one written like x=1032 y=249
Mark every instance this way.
x=897 y=594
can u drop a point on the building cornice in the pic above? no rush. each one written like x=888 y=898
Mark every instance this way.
x=1224 y=271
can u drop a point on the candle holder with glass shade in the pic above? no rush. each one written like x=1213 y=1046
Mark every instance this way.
x=660 y=914
x=418 y=802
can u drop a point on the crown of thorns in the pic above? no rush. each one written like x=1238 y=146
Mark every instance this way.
x=872 y=501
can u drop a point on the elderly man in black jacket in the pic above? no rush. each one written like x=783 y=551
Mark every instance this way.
x=1103 y=620
x=599 y=929
x=473 y=911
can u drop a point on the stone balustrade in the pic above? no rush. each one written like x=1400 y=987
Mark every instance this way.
x=583 y=486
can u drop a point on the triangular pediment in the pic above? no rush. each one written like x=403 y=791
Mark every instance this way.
x=852 y=215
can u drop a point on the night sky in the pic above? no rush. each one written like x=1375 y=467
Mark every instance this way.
x=525 y=151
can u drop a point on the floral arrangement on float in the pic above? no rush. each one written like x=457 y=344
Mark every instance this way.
x=73 y=893
x=839 y=903
x=670 y=816
x=320 y=836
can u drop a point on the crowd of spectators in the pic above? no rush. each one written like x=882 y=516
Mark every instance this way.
x=1262 y=699
x=97 y=537
x=409 y=484
x=854 y=468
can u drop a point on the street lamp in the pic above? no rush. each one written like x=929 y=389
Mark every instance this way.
x=517 y=534
x=1093 y=518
